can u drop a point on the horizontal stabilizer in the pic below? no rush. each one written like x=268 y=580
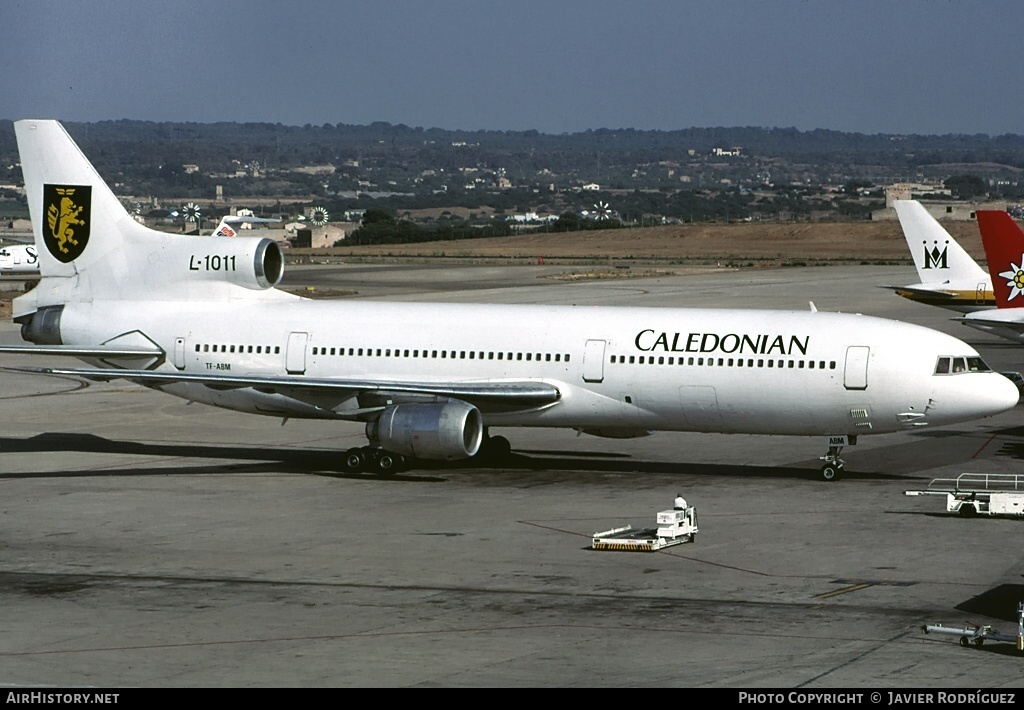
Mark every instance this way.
x=987 y=323
x=923 y=291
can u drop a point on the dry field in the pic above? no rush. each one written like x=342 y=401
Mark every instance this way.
x=739 y=244
x=807 y=242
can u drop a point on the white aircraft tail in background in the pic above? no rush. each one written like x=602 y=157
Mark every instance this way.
x=950 y=278
x=201 y=319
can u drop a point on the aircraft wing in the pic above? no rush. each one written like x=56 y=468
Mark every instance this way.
x=95 y=351
x=487 y=395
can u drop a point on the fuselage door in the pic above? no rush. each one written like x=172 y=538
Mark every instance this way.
x=179 y=353
x=856 y=377
x=980 y=293
x=295 y=355
x=593 y=361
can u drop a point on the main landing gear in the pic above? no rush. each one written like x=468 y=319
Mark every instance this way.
x=370 y=459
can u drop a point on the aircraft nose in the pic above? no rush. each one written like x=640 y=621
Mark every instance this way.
x=999 y=395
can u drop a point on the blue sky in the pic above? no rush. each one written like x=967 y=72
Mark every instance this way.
x=898 y=66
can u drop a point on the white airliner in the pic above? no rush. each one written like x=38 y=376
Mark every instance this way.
x=950 y=278
x=200 y=318
x=230 y=224
x=1004 y=251
x=19 y=259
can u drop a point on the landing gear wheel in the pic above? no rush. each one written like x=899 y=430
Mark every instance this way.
x=388 y=464
x=831 y=472
x=833 y=468
x=355 y=460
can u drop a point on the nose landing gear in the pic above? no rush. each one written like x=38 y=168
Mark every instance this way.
x=832 y=469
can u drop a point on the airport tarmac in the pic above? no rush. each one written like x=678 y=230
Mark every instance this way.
x=145 y=542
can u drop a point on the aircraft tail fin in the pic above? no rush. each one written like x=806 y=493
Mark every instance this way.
x=90 y=248
x=937 y=256
x=224 y=229
x=66 y=198
x=1004 y=249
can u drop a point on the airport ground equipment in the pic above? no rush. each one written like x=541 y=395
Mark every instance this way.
x=969 y=494
x=976 y=634
x=674 y=528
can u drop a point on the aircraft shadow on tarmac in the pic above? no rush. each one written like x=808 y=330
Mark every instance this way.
x=247 y=459
x=997 y=603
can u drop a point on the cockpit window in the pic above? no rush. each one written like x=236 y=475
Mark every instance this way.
x=976 y=364
x=957 y=365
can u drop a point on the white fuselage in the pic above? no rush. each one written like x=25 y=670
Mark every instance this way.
x=617 y=369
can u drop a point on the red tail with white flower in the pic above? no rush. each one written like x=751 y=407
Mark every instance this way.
x=1004 y=249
